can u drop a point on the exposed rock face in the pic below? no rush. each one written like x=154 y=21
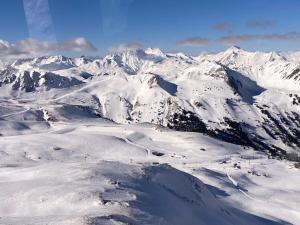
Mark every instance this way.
x=186 y=121
x=29 y=81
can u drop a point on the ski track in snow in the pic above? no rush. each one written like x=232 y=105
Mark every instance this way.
x=235 y=183
x=16 y=113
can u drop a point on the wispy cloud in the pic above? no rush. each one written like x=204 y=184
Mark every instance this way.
x=32 y=47
x=130 y=46
x=222 y=27
x=194 y=41
x=39 y=20
x=114 y=15
x=261 y=24
x=237 y=39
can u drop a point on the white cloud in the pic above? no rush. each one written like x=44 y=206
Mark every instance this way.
x=77 y=45
x=237 y=39
x=7 y=49
x=32 y=47
x=195 y=41
x=130 y=46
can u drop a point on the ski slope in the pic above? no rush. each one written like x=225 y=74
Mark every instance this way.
x=103 y=173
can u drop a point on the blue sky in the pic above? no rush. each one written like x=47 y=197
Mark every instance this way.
x=173 y=25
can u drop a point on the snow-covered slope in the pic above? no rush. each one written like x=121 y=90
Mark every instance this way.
x=245 y=104
x=98 y=172
x=291 y=56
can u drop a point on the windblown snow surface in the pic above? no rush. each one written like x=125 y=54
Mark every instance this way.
x=146 y=137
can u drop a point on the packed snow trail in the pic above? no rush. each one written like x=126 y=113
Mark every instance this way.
x=235 y=183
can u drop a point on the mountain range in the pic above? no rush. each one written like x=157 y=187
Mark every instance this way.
x=247 y=98
x=143 y=137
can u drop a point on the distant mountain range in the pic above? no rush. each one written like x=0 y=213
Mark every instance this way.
x=247 y=98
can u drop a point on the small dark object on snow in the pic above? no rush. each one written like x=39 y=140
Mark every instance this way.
x=157 y=153
x=237 y=166
x=297 y=165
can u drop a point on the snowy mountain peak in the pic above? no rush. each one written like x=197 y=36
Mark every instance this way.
x=268 y=69
x=140 y=54
x=45 y=63
x=230 y=55
x=155 y=52
x=234 y=49
x=276 y=56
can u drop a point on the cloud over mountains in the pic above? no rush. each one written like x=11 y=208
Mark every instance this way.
x=194 y=41
x=126 y=47
x=238 y=39
x=32 y=47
